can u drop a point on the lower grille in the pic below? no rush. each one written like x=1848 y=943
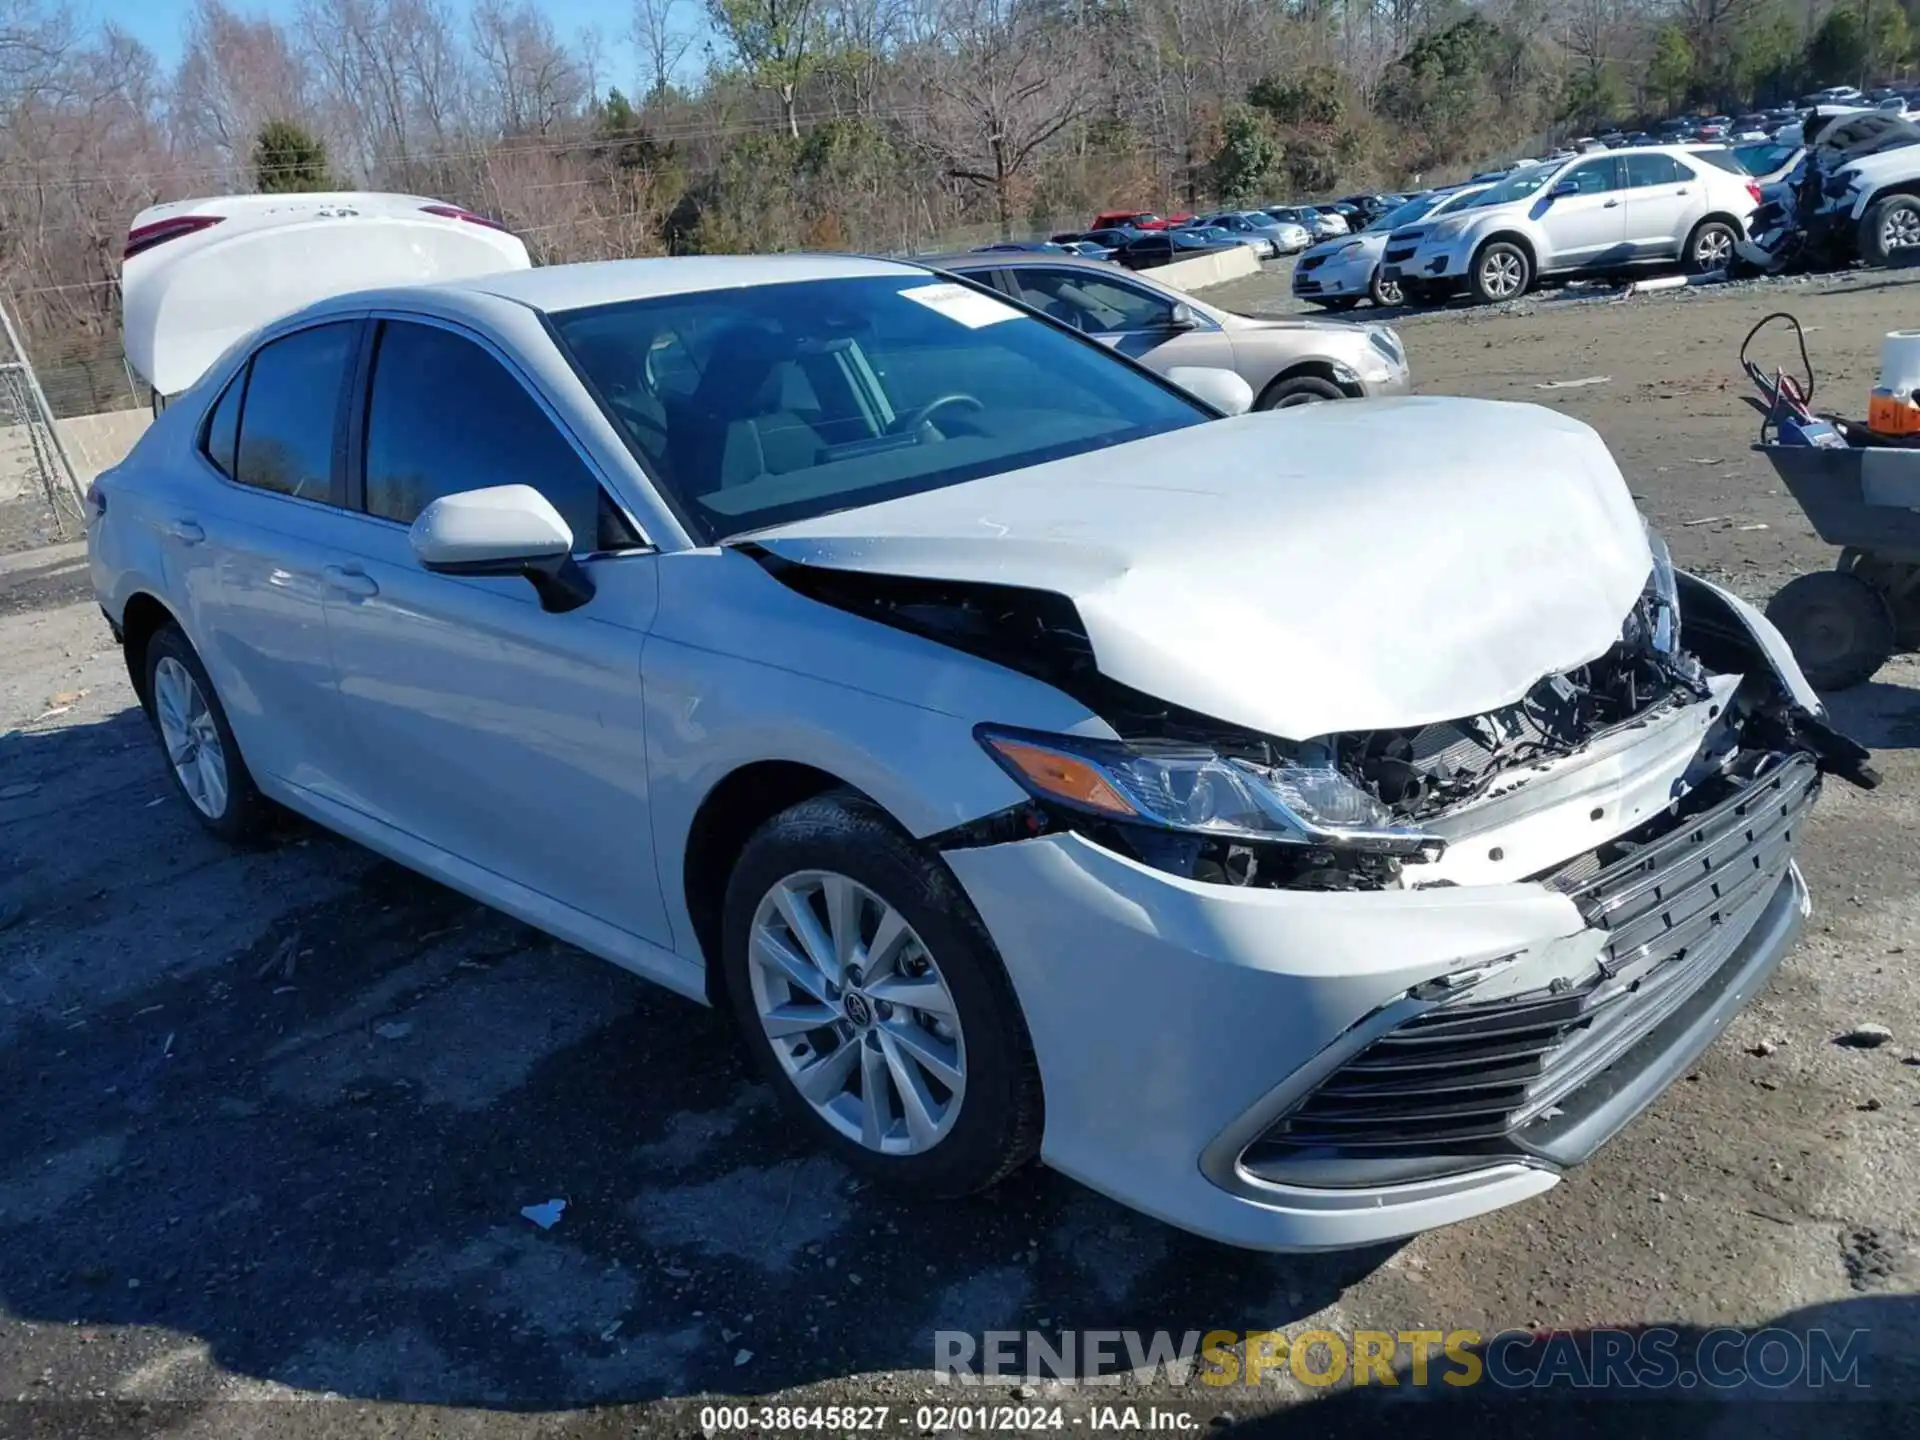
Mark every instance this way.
x=1467 y=1079
x=1395 y=257
x=1303 y=286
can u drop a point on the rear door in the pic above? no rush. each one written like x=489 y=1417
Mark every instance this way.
x=1589 y=226
x=249 y=559
x=1664 y=199
x=1135 y=319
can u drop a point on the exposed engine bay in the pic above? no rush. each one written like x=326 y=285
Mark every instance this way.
x=1418 y=774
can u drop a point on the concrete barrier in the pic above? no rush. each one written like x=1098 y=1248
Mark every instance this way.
x=1204 y=270
x=93 y=443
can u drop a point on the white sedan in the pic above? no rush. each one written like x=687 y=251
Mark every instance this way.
x=1031 y=760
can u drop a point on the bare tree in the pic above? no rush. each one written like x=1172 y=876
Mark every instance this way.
x=534 y=80
x=1003 y=81
x=235 y=75
x=663 y=33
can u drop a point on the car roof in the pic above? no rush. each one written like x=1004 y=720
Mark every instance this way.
x=1011 y=261
x=554 y=288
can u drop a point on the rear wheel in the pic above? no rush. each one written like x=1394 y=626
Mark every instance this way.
x=202 y=755
x=1891 y=224
x=874 y=1001
x=1838 y=626
x=1299 y=390
x=1710 y=247
x=1501 y=271
x=1385 y=292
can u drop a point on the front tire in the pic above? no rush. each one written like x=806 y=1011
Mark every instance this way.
x=1300 y=390
x=1710 y=247
x=1386 y=293
x=874 y=1001
x=1501 y=271
x=202 y=756
x=1890 y=225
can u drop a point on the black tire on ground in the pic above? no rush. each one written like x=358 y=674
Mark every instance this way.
x=998 y=1127
x=1838 y=626
x=1501 y=271
x=1300 y=390
x=1710 y=247
x=245 y=814
x=1889 y=225
x=1386 y=293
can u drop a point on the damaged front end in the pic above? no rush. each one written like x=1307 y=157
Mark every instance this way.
x=1588 y=758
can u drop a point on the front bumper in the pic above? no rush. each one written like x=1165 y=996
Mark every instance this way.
x=1318 y=277
x=1181 y=1026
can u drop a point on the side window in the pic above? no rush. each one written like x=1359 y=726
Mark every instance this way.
x=1644 y=171
x=1093 y=302
x=444 y=416
x=223 y=425
x=290 y=410
x=1596 y=176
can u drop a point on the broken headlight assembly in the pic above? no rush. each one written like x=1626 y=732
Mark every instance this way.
x=1196 y=790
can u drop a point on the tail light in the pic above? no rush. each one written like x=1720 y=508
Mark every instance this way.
x=96 y=501
x=144 y=237
x=1754 y=191
x=454 y=212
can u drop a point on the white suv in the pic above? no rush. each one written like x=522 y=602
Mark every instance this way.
x=1617 y=211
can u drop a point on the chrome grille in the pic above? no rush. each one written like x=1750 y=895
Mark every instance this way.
x=1468 y=1078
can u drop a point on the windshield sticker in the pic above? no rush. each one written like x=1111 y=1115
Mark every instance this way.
x=956 y=302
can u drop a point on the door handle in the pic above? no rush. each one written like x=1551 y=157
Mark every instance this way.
x=350 y=582
x=1609 y=204
x=1682 y=191
x=187 y=532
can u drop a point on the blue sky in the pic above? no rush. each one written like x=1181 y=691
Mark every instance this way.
x=161 y=23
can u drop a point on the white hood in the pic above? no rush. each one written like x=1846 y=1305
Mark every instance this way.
x=1364 y=565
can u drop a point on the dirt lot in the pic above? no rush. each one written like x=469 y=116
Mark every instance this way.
x=268 y=1120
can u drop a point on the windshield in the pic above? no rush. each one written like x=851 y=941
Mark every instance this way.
x=1408 y=213
x=1517 y=186
x=1199 y=237
x=754 y=406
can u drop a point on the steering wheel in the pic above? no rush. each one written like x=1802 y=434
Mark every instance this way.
x=912 y=421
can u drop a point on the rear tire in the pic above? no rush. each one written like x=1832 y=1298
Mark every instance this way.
x=202 y=756
x=1890 y=225
x=1710 y=247
x=1300 y=390
x=1501 y=271
x=1838 y=626
x=941 y=988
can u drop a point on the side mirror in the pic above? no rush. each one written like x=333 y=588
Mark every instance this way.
x=1222 y=389
x=1563 y=187
x=503 y=530
x=1181 y=317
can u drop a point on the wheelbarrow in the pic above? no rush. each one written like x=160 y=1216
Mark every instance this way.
x=1844 y=623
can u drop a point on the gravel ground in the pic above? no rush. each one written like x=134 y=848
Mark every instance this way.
x=268 y=1119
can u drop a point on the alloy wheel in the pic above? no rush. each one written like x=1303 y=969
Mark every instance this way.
x=1900 y=230
x=192 y=739
x=857 y=1012
x=1501 y=274
x=1714 y=250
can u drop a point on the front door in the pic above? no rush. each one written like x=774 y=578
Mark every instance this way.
x=1589 y=226
x=1137 y=320
x=481 y=723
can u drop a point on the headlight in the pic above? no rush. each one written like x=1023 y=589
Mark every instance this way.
x=1383 y=339
x=1352 y=247
x=1447 y=229
x=1665 y=593
x=1194 y=789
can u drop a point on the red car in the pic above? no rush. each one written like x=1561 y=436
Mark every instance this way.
x=1128 y=219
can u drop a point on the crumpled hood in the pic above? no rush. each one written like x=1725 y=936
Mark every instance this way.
x=1362 y=565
